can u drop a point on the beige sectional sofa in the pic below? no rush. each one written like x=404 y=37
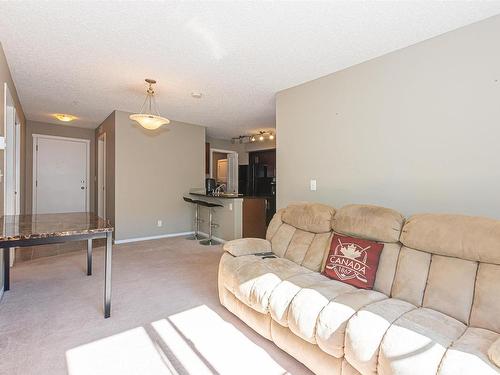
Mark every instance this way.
x=434 y=308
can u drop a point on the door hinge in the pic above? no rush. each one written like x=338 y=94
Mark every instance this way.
x=36 y=183
x=37 y=148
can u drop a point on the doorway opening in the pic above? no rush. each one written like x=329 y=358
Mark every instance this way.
x=224 y=169
x=261 y=178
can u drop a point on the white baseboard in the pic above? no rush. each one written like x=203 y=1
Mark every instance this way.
x=215 y=238
x=137 y=239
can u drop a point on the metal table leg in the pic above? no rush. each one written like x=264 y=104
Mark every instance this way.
x=107 y=275
x=89 y=257
x=6 y=269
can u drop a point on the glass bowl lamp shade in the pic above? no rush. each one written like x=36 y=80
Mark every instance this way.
x=149 y=116
x=148 y=121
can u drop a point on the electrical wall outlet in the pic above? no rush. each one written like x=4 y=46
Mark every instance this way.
x=312 y=185
x=159 y=223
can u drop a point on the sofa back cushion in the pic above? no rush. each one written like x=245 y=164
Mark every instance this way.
x=309 y=217
x=465 y=237
x=450 y=263
x=301 y=233
x=369 y=222
x=376 y=224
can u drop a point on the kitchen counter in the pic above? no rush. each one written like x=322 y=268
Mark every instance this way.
x=239 y=215
x=202 y=193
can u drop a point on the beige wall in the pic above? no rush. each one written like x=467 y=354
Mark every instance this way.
x=416 y=130
x=154 y=169
x=5 y=76
x=69 y=131
x=108 y=127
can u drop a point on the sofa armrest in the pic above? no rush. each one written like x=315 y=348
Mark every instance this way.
x=247 y=246
x=494 y=352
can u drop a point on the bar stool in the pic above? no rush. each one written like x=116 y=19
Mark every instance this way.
x=197 y=220
x=211 y=225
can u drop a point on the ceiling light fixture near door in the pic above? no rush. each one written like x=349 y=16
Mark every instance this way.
x=149 y=116
x=64 y=117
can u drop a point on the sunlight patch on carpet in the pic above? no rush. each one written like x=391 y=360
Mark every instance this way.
x=128 y=353
x=204 y=343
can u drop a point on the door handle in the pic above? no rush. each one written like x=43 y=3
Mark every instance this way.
x=83 y=187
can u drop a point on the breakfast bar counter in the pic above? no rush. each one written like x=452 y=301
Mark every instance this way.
x=240 y=215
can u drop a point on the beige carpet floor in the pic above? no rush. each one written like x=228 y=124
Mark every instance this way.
x=166 y=317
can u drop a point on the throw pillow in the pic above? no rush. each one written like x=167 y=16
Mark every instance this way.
x=353 y=261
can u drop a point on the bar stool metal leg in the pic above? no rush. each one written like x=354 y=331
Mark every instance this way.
x=196 y=236
x=210 y=241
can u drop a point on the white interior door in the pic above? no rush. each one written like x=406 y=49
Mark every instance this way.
x=101 y=176
x=60 y=174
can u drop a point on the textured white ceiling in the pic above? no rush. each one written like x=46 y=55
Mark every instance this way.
x=88 y=58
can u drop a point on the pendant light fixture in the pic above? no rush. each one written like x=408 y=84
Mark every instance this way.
x=149 y=116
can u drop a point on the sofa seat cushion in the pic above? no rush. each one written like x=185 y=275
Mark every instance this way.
x=229 y=267
x=469 y=354
x=494 y=352
x=417 y=342
x=307 y=304
x=283 y=294
x=309 y=354
x=254 y=282
x=333 y=319
x=366 y=329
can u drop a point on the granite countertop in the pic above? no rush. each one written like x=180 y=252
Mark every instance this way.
x=25 y=227
x=202 y=193
x=223 y=196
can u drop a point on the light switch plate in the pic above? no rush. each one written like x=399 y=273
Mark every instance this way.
x=312 y=185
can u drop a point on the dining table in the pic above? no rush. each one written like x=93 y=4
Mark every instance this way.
x=21 y=231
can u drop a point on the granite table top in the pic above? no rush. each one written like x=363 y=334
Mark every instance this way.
x=26 y=227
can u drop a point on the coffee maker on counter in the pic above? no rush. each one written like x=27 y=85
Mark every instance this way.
x=210 y=186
